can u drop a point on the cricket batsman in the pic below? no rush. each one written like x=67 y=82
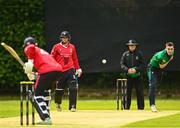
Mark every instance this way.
x=65 y=54
x=48 y=72
x=157 y=63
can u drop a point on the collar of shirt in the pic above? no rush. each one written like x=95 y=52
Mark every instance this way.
x=64 y=45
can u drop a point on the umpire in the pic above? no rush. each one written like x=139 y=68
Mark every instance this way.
x=132 y=64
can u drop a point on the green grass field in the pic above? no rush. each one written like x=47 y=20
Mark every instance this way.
x=10 y=108
x=168 y=122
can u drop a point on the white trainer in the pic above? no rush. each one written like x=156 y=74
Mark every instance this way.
x=47 y=121
x=153 y=108
x=73 y=109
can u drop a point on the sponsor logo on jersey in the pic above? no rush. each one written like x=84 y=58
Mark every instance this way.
x=164 y=61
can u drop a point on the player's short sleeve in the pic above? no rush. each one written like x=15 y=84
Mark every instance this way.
x=30 y=51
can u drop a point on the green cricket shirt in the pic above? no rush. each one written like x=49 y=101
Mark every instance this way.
x=160 y=57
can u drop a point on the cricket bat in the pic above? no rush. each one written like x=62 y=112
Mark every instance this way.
x=12 y=52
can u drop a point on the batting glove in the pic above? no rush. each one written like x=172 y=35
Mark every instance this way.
x=28 y=67
x=78 y=72
x=31 y=76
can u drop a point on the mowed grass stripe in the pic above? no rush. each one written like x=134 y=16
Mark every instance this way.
x=10 y=108
x=172 y=121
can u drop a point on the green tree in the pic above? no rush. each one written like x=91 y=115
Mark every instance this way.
x=18 y=19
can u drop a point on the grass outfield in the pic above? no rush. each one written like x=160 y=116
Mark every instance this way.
x=167 y=122
x=10 y=108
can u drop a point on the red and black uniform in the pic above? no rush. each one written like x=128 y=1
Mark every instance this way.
x=48 y=72
x=67 y=57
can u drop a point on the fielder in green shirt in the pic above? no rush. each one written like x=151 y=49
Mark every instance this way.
x=159 y=61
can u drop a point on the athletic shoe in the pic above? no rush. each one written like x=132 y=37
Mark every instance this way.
x=73 y=109
x=153 y=108
x=47 y=121
x=58 y=107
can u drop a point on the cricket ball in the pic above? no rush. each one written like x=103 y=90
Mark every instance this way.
x=104 y=61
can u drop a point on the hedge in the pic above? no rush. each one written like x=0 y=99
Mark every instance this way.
x=18 y=19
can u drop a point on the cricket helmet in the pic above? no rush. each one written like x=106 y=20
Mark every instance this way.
x=29 y=40
x=132 y=42
x=65 y=34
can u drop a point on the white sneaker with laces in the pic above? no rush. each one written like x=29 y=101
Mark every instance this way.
x=153 y=108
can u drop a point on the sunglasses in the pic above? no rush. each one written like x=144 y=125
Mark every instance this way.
x=170 y=49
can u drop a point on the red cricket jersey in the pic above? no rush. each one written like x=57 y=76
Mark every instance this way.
x=65 y=56
x=42 y=60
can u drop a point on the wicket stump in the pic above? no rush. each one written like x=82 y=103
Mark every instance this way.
x=25 y=93
x=123 y=93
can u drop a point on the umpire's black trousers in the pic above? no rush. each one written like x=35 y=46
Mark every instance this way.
x=137 y=83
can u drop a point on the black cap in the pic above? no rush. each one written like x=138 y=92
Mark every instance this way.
x=65 y=34
x=132 y=42
x=29 y=40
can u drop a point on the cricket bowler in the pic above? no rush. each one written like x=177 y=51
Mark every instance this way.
x=157 y=63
